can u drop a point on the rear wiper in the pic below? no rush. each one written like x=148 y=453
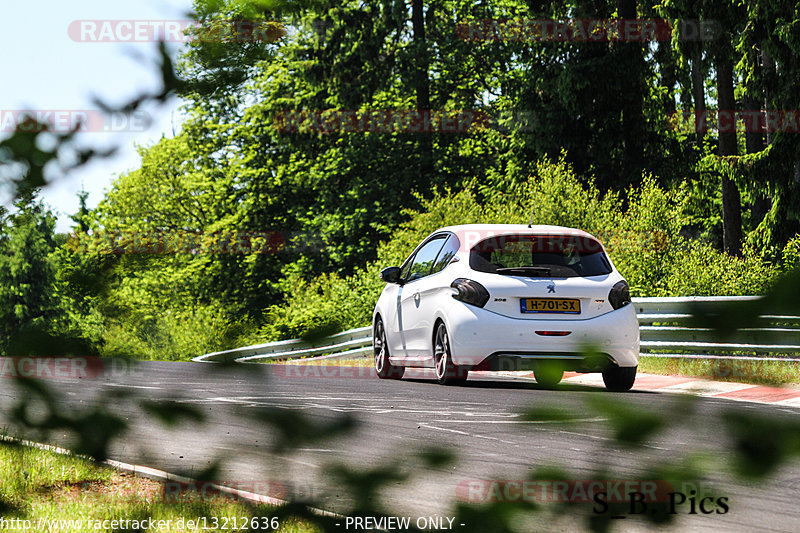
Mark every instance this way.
x=532 y=271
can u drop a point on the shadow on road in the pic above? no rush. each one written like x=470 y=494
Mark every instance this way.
x=512 y=384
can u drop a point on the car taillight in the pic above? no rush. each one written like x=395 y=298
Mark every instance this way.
x=470 y=292
x=620 y=295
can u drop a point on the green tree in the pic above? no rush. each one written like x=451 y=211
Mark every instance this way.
x=27 y=274
x=769 y=58
x=343 y=191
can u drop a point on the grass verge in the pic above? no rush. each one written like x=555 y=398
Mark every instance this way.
x=42 y=490
x=754 y=372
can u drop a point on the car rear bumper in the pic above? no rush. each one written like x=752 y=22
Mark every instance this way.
x=482 y=339
x=577 y=361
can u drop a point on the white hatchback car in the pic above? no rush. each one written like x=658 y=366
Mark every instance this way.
x=507 y=297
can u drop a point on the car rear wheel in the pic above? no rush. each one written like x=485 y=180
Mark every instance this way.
x=548 y=374
x=380 y=347
x=446 y=372
x=619 y=379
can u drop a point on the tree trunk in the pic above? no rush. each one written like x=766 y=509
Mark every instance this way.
x=769 y=67
x=699 y=97
x=423 y=85
x=754 y=143
x=632 y=95
x=669 y=75
x=422 y=88
x=731 y=200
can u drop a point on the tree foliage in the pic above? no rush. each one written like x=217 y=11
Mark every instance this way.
x=27 y=273
x=244 y=168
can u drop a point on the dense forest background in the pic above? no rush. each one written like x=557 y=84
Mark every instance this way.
x=301 y=171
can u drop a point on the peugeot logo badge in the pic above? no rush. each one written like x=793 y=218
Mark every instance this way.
x=551 y=288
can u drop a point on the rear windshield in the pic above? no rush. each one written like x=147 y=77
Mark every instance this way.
x=540 y=256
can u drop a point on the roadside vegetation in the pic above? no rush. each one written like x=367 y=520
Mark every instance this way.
x=264 y=218
x=143 y=305
x=749 y=371
x=642 y=228
x=64 y=493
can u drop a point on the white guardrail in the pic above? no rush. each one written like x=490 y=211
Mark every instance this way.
x=664 y=325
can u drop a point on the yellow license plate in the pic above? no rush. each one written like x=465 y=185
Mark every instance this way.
x=550 y=305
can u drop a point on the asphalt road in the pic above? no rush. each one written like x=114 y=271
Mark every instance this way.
x=479 y=421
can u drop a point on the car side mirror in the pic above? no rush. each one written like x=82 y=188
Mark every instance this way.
x=391 y=274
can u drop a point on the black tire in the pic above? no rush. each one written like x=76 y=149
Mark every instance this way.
x=548 y=374
x=446 y=372
x=380 y=348
x=619 y=379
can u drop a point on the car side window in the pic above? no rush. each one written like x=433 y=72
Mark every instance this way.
x=422 y=264
x=406 y=268
x=449 y=250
